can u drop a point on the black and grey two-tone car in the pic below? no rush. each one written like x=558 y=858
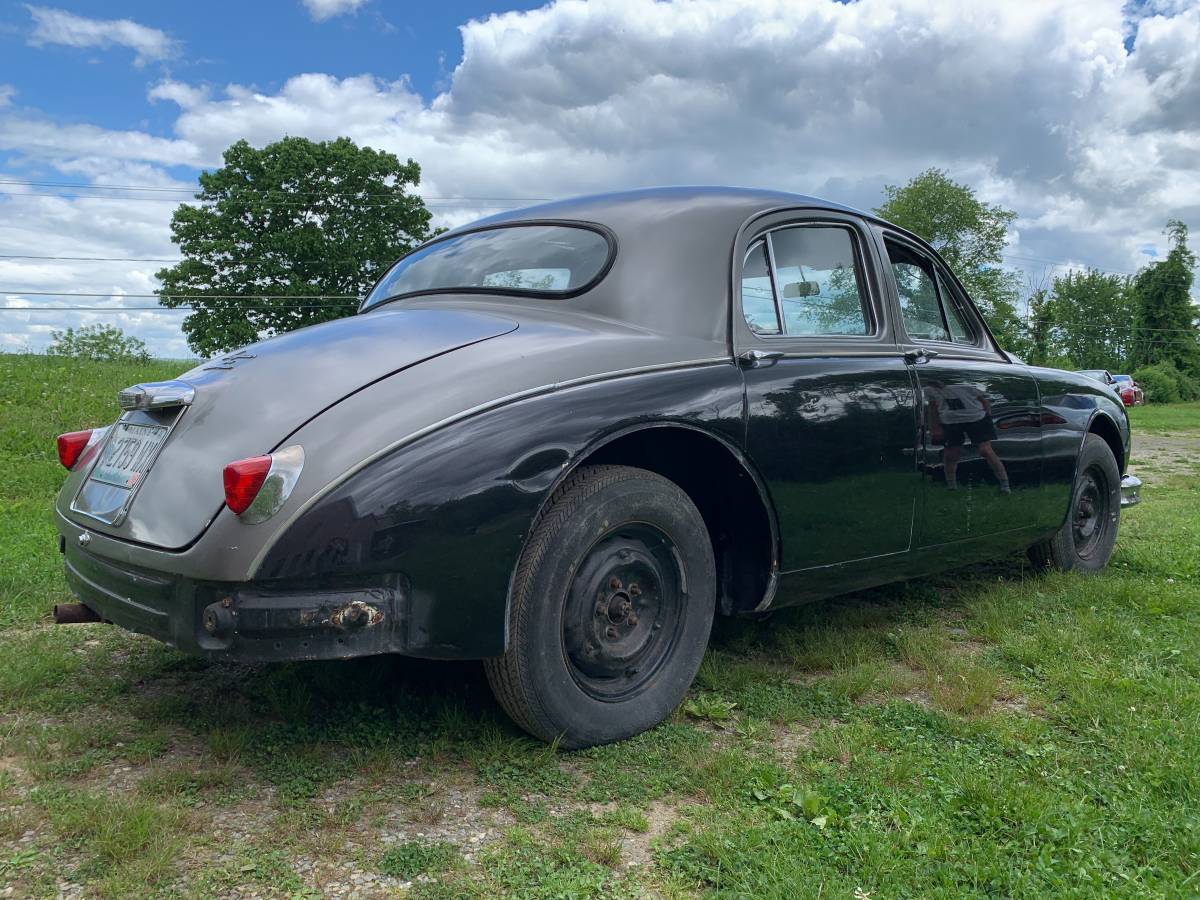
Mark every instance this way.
x=562 y=439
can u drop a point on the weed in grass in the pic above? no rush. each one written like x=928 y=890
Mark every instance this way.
x=602 y=846
x=710 y=708
x=623 y=815
x=128 y=840
x=413 y=858
x=789 y=803
x=190 y=783
x=228 y=745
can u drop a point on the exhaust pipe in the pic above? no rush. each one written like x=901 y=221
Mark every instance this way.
x=74 y=614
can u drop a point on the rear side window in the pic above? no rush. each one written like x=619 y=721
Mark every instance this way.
x=545 y=260
x=931 y=309
x=817 y=287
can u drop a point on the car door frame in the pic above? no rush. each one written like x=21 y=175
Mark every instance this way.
x=881 y=343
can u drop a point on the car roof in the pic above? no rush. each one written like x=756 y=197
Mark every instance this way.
x=617 y=208
x=671 y=271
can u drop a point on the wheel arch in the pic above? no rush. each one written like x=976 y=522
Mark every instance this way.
x=730 y=495
x=1102 y=425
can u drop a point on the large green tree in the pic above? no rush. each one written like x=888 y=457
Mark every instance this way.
x=288 y=235
x=1092 y=315
x=1165 y=317
x=969 y=234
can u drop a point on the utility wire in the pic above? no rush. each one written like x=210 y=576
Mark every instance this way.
x=246 y=296
x=258 y=190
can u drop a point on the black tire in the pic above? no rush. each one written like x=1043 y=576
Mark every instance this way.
x=612 y=603
x=1086 y=540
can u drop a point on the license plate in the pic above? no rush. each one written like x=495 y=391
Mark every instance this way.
x=128 y=454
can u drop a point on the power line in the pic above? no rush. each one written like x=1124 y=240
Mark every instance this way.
x=274 y=204
x=186 y=296
x=258 y=190
x=98 y=258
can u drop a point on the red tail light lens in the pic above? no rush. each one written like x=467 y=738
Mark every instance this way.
x=243 y=480
x=71 y=445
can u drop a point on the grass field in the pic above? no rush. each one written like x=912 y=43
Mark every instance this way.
x=986 y=732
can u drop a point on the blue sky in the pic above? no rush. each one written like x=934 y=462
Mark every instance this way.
x=1083 y=116
x=256 y=42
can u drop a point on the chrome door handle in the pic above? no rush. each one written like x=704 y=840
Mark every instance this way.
x=752 y=359
x=919 y=355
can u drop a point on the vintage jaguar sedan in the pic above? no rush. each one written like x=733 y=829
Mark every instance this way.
x=562 y=439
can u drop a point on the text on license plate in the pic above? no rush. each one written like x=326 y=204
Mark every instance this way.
x=128 y=454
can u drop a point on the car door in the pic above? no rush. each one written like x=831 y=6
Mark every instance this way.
x=831 y=416
x=980 y=450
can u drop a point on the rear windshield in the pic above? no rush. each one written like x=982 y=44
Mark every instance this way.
x=544 y=260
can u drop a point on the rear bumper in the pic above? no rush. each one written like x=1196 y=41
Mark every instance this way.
x=246 y=622
x=1131 y=490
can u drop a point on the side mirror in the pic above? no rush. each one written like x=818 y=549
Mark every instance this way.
x=794 y=289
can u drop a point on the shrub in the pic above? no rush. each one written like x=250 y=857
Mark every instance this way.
x=1189 y=387
x=1160 y=382
x=100 y=342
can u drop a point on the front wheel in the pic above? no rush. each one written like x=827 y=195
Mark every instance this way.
x=1086 y=540
x=611 y=609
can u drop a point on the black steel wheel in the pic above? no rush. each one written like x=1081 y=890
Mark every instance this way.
x=624 y=611
x=1086 y=539
x=612 y=604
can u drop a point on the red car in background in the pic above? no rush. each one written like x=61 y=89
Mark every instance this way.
x=1127 y=389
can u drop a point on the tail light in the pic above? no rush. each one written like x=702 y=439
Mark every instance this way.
x=73 y=445
x=256 y=488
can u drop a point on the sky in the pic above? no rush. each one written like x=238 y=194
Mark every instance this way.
x=1081 y=115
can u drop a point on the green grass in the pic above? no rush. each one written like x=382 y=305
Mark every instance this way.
x=985 y=732
x=1164 y=417
x=41 y=397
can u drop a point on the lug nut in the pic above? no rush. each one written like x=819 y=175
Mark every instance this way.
x=635 y=591
x=612 y=631
x=615 y=583
x=633 y=619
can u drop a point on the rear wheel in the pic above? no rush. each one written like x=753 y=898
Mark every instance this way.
x=612 y=604
x=1086 y=540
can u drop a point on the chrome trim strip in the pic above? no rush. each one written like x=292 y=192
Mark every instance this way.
x=1131 y=491
x=466 y=414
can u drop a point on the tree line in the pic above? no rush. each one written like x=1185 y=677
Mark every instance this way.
x=289 y=235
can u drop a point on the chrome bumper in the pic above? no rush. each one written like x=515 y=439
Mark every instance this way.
x=1131 y=490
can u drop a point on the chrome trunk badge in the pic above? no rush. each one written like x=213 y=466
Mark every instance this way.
x=84 y=539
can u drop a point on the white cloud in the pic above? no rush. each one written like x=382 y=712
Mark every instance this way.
x=7 y=92
x=1038 y=105
x=321 y=10
x=57 y=26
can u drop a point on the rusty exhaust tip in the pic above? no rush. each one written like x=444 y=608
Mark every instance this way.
x=74 y=614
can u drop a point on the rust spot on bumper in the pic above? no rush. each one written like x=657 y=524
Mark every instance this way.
x=353 y=616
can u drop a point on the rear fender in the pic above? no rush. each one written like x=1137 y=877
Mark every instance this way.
x=448 y=514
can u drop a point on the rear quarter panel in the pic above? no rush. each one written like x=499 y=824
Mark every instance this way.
x=451 y=509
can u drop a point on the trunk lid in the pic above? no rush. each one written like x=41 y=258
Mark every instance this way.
x=249 y=402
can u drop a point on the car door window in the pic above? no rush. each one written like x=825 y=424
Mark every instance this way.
x=818 y=281
x=916 y=285
x=956 y=319
x=758 y=297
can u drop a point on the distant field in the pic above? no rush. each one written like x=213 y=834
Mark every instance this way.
x=987 y=732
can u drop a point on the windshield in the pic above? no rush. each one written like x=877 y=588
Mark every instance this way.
x=544 y=260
